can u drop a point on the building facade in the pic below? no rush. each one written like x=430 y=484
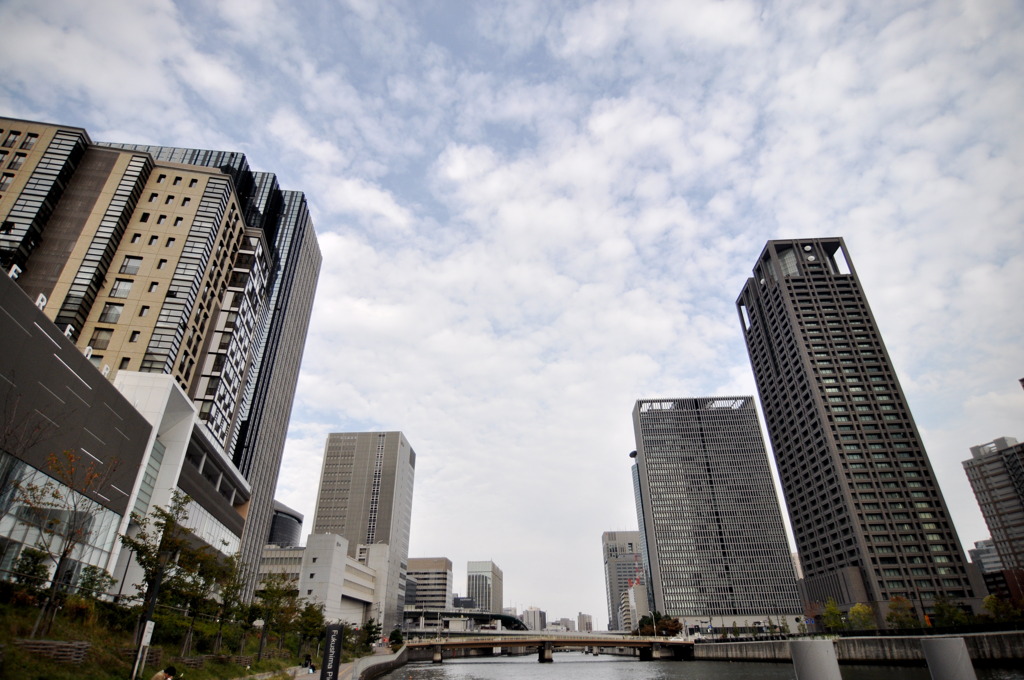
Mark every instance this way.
x=365 y=495
x=434 y=581
x=179 y=262
x=485 y=583
x=996 y=473
x=285 y=526
x=869 y=519
x=623 y=567
x=713 y=528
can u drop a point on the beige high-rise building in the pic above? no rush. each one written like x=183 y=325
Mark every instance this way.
x=366 y=496
x=181 y=262
x=433 y=583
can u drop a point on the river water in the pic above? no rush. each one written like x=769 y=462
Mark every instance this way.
x=579 y=666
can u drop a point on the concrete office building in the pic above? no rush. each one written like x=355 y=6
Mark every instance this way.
x=584 y=623
x=868 y=515
x=434 y=580
x=996 y=473
x=623 y=567
x=326 y=574
x=365 y=496
x=712 y=524
x=485 y=584
x=171 y=261
x=535 y=618
x=985 y=556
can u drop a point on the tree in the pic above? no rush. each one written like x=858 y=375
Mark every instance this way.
x=861 y=617
x=901 y=614
x=832 y=616
x=310 y=624
x=230 y=587
x=656 y=624
x=30 y=569
x=157 y=541
x=63 y=514
x=395 y=639
x=948 y=613
x=368 y=635
x=278 y=605
x=1000 y=610
x=94 y=582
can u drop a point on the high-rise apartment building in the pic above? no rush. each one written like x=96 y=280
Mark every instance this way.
x=485 y=583
x=172 y=261
x=868 y=515
x=365 y=495
x=712 y=525
x=623 y=567
x=996 y=472
x=434 y=581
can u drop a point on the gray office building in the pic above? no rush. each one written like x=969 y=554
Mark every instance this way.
x=365 y=496
x=485 y=583
x=869 y=518
x=623 y=567
x=712 y=526
x=996 y=472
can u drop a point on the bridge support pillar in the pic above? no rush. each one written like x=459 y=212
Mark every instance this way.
x=546 y=653
x=438 y=657
x=647 y=653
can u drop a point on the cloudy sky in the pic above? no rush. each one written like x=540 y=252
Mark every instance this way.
x=534 y=213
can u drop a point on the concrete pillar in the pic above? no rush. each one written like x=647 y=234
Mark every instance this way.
x=438 y=657
x=947 y=658
x=546 y=653
x=814 y=660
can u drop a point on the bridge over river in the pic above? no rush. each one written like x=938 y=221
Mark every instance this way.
x=510 y=643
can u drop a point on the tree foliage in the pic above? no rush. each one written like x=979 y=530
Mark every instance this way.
x=657 y=624
x=832 y=616
x=947 y=613
x=1000 y=610
x=861 y=617
x=901 y=614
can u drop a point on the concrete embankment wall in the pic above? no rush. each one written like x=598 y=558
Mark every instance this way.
x=983 y=647
x=370 y=667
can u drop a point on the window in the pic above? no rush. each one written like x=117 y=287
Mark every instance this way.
x=11 y=138
x=111 y=312
x=177 y=221
x=161 y=219
x=169 y=200
x=192 y=183
x=153 y=286
x=17 y=162
x=136 y=238
x=160 y=179
x=134 y=337
x=101 y=338
x=161 y=264
x=6 y=180
x=131 y=264
x=30 y=140
x=121 y=288
x=145 y=217
x=144 y=310
x=124 y=363
x=185 y=201
x=177 y=181
x=153 y=240
x=153 y=196
x=170 y=242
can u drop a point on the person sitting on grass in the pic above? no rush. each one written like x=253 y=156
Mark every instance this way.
x=166 y=674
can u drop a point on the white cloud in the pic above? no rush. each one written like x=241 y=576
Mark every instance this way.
x=529 y=226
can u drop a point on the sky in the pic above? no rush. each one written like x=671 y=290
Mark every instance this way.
x=534 y=213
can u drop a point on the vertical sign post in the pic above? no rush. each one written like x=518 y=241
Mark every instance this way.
x=331 y=665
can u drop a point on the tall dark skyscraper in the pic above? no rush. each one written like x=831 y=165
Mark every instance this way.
x=709 y=516
x=869 y=519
